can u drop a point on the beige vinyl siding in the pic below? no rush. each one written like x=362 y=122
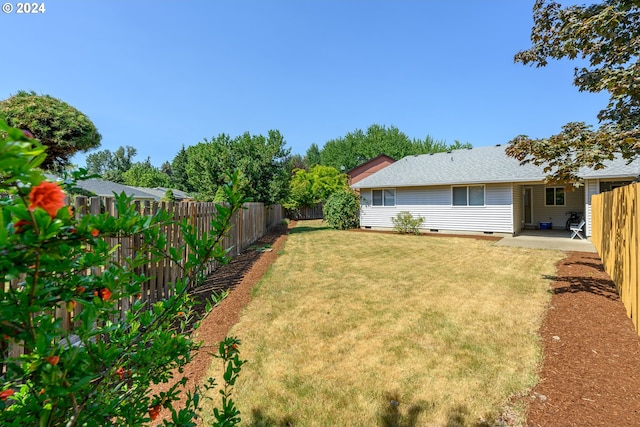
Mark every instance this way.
x=435 y=206
x=591 y=187
x=518 y=207
x=557 y=215
x=376 y=216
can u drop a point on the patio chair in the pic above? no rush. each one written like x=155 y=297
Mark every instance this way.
x=576 y=229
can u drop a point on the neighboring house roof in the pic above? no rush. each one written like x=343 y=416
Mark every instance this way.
x=103 y=188
x=160 y=192
x=478 y=165
x=369 y=167
x=106 y=189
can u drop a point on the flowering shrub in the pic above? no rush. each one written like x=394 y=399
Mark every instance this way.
x=99 y=371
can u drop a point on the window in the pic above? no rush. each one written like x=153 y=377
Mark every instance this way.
x=554 y=196
x=384 y=197
x=471 y=195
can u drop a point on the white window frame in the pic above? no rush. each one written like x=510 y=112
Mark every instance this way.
x=384 y=198
x=555 y=196
x=467 y=205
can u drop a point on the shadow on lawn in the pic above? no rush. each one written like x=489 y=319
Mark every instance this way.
x=260 y=420
x=306 y=229
x=394 y=416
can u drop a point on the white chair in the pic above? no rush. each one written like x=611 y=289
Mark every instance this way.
x=576 y=229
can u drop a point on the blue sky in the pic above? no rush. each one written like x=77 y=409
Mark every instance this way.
x=157 y=74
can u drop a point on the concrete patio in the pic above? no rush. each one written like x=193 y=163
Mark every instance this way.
x=547 y=239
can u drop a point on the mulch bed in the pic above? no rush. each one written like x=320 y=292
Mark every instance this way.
x=590 y=374
x=591 y=370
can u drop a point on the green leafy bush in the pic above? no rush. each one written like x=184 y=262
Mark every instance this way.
x=342 y=210
x=405 y=223
x=53 y=264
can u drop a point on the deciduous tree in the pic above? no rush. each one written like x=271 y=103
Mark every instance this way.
x=314 y=186
x=357 y=147
x=144 y=174
x=606 y=36
x=111 y=165
x=261 y=160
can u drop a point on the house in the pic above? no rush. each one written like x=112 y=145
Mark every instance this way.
x=481 y=190
x=369 y=167
x=102 y=188
x=159 y=193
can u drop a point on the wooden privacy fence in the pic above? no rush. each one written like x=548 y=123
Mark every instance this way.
x=306 y=212
x=615 y=232
x=248 y=225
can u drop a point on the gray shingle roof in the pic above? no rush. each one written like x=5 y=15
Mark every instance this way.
x=160 y=192
x=107 y=188
x=104 y=188
x=476 y=166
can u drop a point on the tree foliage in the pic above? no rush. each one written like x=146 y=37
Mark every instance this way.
x=144 y=174
x=313 y=155
x=179 y=171
x=308 y=188
x=60 y=127
x=357 y=147
x=111 y=166
x=605 y=35
x=261 y=160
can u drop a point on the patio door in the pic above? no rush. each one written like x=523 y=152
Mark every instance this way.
x=528 y=206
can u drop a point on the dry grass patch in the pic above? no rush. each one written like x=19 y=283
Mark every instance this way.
x=369 y=329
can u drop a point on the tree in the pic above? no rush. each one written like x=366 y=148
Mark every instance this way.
x=261 y=160
x=313 y=155
x=111 y=166
x=144 y=174
x=179 y=174
x=296 y=161
x=56 y=124
x=357 y=147
x=605 y=34
x=314 y=186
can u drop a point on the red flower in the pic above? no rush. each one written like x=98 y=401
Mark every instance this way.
x=154 y=412
x=19 y=224
x=95 y=232
x=120 y=373
x=48 y=196
x=81 y=289
x=6 y=393
x=103 y=293
x=53 y=360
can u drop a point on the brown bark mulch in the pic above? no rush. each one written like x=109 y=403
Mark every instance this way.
x=591 y=370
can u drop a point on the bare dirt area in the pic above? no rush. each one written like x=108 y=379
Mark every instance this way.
x=590 y=375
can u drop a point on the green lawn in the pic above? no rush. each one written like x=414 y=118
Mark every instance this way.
x=371 y=329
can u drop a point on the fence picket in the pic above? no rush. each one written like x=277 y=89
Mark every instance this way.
x=616 y=236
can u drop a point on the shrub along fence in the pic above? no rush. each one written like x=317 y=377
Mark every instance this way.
x=248 y=225
x=616 y=235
